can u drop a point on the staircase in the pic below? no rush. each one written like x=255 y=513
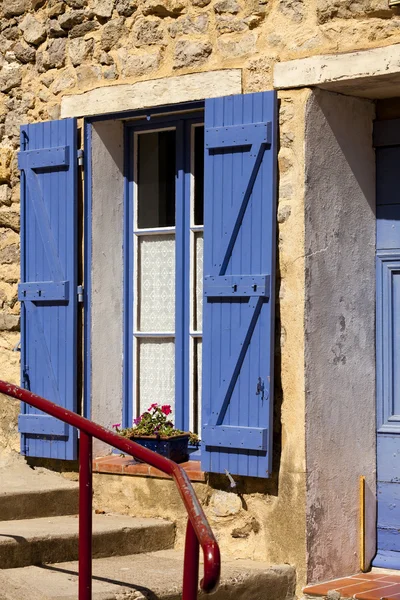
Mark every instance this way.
x=134 y=558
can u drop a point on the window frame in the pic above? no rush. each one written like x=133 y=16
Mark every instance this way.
x=184 y=123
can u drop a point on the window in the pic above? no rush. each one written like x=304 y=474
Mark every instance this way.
x=165 y=196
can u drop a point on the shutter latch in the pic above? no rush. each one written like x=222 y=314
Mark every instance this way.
x=79 y=291
x=80 y=158
x=260 y=388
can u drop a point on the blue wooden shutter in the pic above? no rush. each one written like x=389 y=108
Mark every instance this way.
x=48 y=289
x=239 y=272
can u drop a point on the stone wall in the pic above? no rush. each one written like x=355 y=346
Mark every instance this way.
x=49 y=48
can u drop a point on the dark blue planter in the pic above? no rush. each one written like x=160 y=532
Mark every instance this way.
x=175 y=448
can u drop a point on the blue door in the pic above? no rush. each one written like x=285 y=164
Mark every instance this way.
x=48 y=289
x=387 y=143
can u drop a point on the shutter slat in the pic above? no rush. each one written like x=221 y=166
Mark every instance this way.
x=49 y=281
x=239 y=273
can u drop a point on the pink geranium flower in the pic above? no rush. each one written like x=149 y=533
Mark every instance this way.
x=137 y=420
x=116 y=425
x=152 y=406
x=166 y=409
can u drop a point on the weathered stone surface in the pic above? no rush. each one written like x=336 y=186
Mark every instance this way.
x=230 y=24
x=53 y=111
x=110 y=72
x=112 y=33
x=294 y=9
x=189 y=54
x=155 y=92
x=10 y=255
x=53 y=57
x=126 y=8
x=63 y=82
x=56 y=10
x=34 y=31
x=200 y=3
x=11 y=33
x=227 y=6
x=54 y=29
x=9 y=218
x=14 y=8
x=147 y=32
x=80 y=50
x=76 y=3
x=36 y=4
x=253 y=21
x=189 y=24
x=163 y=8
x=88 y=74
x=225 y=504
x=137 y=65
x=350 y=9
x=102 y=8
x=284 y=213
x=106 y=59
x=259 y=74
x=9 y=322
x=5 y=195
x=234 y=47
x=83 y=29
x=71 y=18
x=24 y=53
x=10 y=77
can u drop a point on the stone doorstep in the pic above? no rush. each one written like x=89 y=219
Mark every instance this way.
x=155 y=576
x=125 y=465
x=32 y=504
x=55 y=539
x=380 y=585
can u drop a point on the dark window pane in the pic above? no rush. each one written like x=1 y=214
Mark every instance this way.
x=156 y=179
x=198 y=175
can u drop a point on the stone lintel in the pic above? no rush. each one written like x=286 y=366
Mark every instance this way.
x=368 y=73
x=155 y=92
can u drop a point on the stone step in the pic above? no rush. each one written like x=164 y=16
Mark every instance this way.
x=28 y=493
x=55 y=539
x=154 y=576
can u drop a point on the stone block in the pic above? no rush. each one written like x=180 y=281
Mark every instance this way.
x=14 y=8
x=53 y=57
x=56 y=10
x=148 y=32
x=24 y=53
x=227 y=6
x=102 y=8
x=189 y=54
x=83 y=28
x=230 y=24
x=156 y=92
x=64 y=82
x=5 y=195
x=9 y=218
x=10 y=77
x=126 y=8
x=293 y=9
x=238 y=46
x=6 y=156
x=112 y=32
x=352 y=9
x=71 y=18
x=200 y=3
x=80 y=50
x=190 y=24
x=163 y=8
x=33 y=30
x=136 y=65
x=9 y=322
x=225 y=504
x=54 y=29
x=88 y=74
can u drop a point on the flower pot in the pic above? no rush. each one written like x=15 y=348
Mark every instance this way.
x=174 y=448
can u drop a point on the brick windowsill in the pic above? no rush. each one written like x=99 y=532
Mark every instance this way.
x=124 y=465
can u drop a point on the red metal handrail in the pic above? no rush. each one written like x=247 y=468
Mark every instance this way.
x=198 y=531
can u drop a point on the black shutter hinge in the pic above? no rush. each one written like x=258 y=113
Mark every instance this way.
x=79 y=291
x=79 y=156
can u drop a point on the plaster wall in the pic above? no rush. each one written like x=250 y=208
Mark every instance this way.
x=107 y=275
x=339 y=330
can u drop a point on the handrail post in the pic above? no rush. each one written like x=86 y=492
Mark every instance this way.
x=190 y=564
x=85 y=517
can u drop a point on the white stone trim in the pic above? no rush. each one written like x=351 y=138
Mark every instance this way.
x=155 y=92
x=350 y=72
